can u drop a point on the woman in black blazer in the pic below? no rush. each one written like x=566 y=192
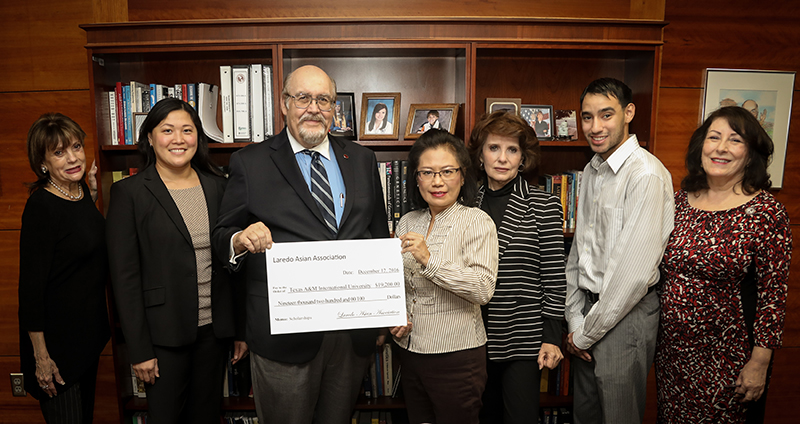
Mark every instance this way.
x=523 y=319
x=174 y=300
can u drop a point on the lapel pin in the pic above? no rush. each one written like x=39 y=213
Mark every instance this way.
x=346 y=157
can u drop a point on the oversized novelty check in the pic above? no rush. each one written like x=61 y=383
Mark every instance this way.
x=335 y=285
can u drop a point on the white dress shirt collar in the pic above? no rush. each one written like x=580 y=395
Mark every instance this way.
x=323 y=148
x=617 y=158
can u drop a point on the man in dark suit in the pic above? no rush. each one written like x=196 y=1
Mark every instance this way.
x=308 y=377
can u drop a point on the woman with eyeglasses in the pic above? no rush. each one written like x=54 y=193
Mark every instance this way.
x=450 y=265
x=523 y=319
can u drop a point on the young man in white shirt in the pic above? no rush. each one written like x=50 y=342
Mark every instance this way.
x=624 y=220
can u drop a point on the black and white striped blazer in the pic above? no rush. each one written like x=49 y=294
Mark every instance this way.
x=531 y=283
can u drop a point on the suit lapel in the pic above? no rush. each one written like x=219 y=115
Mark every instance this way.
x=153 y=183
x=285 y=162
x=348 y=175
x=511 y=221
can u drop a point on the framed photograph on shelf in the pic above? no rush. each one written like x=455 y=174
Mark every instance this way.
x=766 y=94
x=540 y=117
x=344 y=112
x=494 y=104
x=380 y=116
x=566 y=126
x=422 y=117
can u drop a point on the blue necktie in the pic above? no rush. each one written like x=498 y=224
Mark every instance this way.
x=321 y=190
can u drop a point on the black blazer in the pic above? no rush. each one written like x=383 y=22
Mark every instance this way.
x=153 y=265
x=266 y=185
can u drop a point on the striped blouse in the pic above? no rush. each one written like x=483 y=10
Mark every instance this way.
x=531 y=285
x=443 y=299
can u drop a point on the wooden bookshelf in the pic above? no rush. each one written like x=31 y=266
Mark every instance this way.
x=427 y=60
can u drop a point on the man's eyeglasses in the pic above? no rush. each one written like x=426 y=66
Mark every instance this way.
x=445 y=174
x=303 y=101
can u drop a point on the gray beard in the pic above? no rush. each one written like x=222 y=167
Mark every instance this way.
x=310 y=137
x=313 y=138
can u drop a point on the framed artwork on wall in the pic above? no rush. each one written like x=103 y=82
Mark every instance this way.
x=422 y=117
x=380 y=116
x=766 y=94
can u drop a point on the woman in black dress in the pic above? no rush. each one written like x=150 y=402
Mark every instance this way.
x=63 y=268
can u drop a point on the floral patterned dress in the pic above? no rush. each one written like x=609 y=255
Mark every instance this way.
x=703 y=340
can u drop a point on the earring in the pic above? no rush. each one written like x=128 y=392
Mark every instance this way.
x=521 y=166
x=481 y=166
x=44 y=169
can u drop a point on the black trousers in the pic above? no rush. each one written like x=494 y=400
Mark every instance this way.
x=512 y=392
x=189 y=389
x=76 y=404
x=444 y=388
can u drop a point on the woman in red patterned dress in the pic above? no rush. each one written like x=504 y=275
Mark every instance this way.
x=725 y=274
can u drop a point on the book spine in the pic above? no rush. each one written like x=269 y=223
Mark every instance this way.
x=184 y=92
x=387 y=369
x=269 y=118
x=120 y=114
x=226 y=97
x=153 y=95
x=257 y=102
x=373 y=379
x=178 y=90
x=134 y=98
x=128 y=118
x=397 y=199
x=112 y=117
x=389 y=196
x=367 y=385
x=556 y=190
x=192 y=95
x=564 y=203
x=240 y=76
x=145 y=98
x=404 y=203
x=378 y=372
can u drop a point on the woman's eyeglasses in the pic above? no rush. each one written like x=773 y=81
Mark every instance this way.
x=445 y=174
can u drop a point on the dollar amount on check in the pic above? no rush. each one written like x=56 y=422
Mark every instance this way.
x=335 y=285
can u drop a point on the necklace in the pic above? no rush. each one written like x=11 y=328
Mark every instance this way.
x=68 y=194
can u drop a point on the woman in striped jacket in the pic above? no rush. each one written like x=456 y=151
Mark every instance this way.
x=523 y=319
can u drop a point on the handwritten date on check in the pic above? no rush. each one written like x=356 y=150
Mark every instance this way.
x=335 y=285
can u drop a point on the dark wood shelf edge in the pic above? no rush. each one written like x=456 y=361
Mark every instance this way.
x=381 y=402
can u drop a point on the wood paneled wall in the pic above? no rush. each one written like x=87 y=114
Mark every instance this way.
x=43 y=69
x=738 y=34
